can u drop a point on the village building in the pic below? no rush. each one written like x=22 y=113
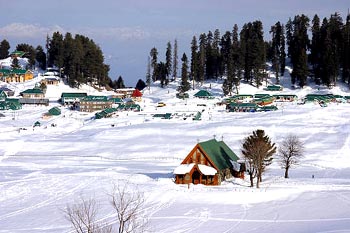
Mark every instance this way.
x=34 y=96
x=3 y=96
x=10 y=104
x=136 y=95
x=242 y=107
x=16 y=75
x=125 y=92
x=209 y=163
x=274 y=88
x=68 y=98
x=17 y=54
x=50 y=81
x=204 y=94
x=285 y=97
x=8 y=91
x=93 y=103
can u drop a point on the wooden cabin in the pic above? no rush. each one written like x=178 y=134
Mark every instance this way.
x=209 y=163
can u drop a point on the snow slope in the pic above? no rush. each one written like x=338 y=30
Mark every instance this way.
x=44 y=169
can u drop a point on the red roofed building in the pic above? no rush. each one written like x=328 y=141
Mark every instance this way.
x=136 y=95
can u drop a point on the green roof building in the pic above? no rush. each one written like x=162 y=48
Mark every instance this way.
x=209 y=163
x=72 y=97
x=55 y=111
x=204 y=94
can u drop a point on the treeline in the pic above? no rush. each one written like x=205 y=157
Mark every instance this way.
x=315 y=49
x=78 y=58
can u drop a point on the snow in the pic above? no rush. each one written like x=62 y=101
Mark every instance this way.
x=44 y=169
x=206 y=170
x=184 y=168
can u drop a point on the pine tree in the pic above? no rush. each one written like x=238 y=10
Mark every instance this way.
x=346 y=51
x=140 y=85
x=175 y=60
x=168 y=57
x=154 y=58
x=120 y=82
x=148 y=74
x=235 y=58
x=194 y=61
x=4 y=49
x=56 y=50
x=41 y=57
x=216 y=56
x=298 y=44
x=185 y=84
x=253 y=52
x=202 y=58
x=209 y=59
x=276 y=48
x=15 y=64
x=315 y=55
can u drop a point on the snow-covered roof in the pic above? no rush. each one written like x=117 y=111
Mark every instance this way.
x=206 y=170
x=183 y=169
x=186 y=168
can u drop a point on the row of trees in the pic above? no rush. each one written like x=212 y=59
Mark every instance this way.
x=258 y=151
x=162 y=71
x=243 y=55
x=34 y=55
x=78 y=57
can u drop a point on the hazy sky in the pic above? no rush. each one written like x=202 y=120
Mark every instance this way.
x=127 y=30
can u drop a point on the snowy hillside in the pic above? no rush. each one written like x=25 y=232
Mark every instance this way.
x=44 y=169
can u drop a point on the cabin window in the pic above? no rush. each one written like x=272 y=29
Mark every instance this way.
x=187 y=177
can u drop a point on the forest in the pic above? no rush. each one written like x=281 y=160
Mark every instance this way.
x=316 y=49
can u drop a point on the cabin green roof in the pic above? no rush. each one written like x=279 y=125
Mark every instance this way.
x=219 y=153
x=55 y=111
x=73 y=95
x=33 y=91
x=93 y=98
x=245 y=105
x=203 y=94
x=17 y=53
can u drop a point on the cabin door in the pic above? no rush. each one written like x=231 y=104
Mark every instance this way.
x=196 y=177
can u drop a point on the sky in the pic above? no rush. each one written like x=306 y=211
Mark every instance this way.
x=126 y=31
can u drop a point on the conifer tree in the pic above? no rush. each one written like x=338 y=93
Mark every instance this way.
x=41 y=57
x=120 y=82
x=168 y=58
x=202 y=58
x=4 y=49
x=185 y=84
x=316 y=48
x=194 y=60
x=15 y=63
x=346 y=51
x=298 y=44
x=175 y=60
x=154 y=58
x=276 y=48
x=148 y=73
x=216 y=56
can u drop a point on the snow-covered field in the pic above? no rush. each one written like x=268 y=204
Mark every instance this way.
x=44 y=169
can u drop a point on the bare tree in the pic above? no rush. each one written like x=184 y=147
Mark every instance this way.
x=83 y=217
x=290 y=152
x=258 y=149
x=129 y=205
